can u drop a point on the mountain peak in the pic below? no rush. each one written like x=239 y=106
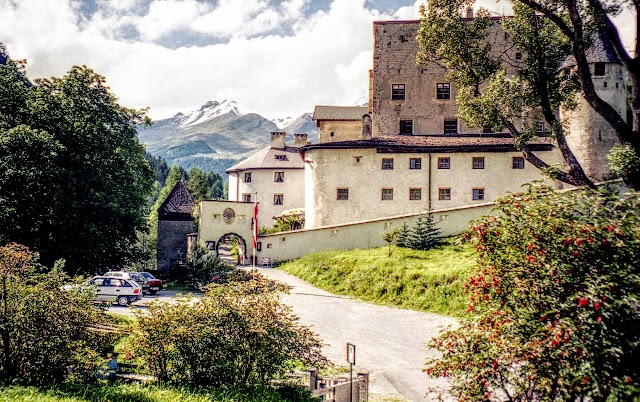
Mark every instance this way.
x=210 y=110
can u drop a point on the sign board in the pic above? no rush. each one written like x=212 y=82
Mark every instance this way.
x=351 y=353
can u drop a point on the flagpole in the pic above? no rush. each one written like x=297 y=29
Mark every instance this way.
x=255 y=229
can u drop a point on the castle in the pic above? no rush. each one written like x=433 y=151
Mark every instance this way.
x=408 y=152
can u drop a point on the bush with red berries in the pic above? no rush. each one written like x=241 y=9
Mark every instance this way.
x=554 y=310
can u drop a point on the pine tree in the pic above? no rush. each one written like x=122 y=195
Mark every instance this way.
x=402 y=239
x=425 y=235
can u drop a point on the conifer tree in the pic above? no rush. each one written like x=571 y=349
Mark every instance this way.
x=402 y=239
x=425 y=235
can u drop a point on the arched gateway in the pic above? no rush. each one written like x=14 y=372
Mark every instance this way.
x=221 y=221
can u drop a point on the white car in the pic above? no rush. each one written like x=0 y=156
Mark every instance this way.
x=109 y=289
x=132 y=276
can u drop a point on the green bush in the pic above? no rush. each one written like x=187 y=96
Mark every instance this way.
x=237 y=334
x=555 y=302
x=44 y=331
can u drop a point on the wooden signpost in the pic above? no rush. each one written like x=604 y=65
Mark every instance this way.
x=351 y=359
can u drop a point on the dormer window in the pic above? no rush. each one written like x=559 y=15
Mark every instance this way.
x=281 y=157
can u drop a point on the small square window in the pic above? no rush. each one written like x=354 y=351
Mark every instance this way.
x=444 y=194
x=247 y=177
x=387 y=194
x=406 y=126
x=450 y=126
x=403 y=38
x=444 y=163
x=415 y=163
x=415 y=194
x=478 y=194
x=246 y=197
x=518 y=55
x=540 y=128
x=443 y=90
x=278 y=199
x=518 y=162
x=599 y=69
x=397 y=91
x=478 y=162
x=342 y=194
x=278 y=177
x=281 y=157
x=387 y=163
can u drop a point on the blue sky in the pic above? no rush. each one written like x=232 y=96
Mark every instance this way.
x=276 y=58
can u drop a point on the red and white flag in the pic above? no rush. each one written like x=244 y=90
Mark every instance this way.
x=255 y=225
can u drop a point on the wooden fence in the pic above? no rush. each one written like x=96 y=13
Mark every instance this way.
x=339 y=388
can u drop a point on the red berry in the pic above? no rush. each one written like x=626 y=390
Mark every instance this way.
x=583 y=302
x=596 y=305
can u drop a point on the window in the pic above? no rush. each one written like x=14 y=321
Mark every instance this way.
x=397 y=91
x=278 y=199
x=518 y=56
x=342 y=194
x=403 y=38
x=415 y=163
x=247 y=177
x=406 y=126
x=450 y=126
x=246 y=197
x=478 y=162
x=281 y=157
x=444 y=163
x=599 y=70
x=478 y=194
x=540 y=128
x=443 y=91
x=444 y=194
x=518 y=162
x=387 y=194
x=415 y=194
x=487 y=130
x=387 y=163
x=278 y=177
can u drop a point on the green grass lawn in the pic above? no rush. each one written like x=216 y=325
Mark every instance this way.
x=140 y=393
x=430 y=280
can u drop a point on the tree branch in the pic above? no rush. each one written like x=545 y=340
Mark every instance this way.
x=555 y=18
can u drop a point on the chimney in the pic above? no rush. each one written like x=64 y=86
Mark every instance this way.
x=277 y=139
x=469 y=13
x=300 y=140
x=366 y=127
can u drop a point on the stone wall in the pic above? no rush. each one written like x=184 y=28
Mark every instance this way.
x=172 y=242
x=340 y=130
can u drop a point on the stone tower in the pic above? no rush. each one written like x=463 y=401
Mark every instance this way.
x=589 y=136
x=174 y=223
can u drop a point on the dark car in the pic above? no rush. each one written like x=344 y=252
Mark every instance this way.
x=155 y=284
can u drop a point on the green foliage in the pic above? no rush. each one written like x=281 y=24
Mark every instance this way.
x=421 y=280
x=424 y=235
x=151 y=393
x=198 y=185
x=85 y=144
x=236 y=335
x=402 y=239
x=44 y=330
x=554 y=302
x=159 y=166
x=623 y=161
x=390 y=237
x=204 y=267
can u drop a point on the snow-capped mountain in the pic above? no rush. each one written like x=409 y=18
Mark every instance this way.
x=217 y=135
x=282 y=123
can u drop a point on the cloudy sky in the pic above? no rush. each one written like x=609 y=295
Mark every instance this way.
x=278 y=58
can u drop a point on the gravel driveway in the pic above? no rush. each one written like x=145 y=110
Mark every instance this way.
x=390 y=342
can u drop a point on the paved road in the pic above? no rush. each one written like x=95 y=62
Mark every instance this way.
x=390 y=342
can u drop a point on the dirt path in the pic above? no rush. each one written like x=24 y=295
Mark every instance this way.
x=390 y=342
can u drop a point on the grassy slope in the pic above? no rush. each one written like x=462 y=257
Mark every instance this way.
x=136 y=393
x=421 y=280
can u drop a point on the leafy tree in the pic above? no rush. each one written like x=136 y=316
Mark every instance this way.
x=236 y=335
x=390 y=237
x=44 y=330
x=553 y=304
x=547 y=32
x=216 y=185
x=402 y=239
x=424 y=235
x=159 y=166
x=98 y=177
x=198 y=185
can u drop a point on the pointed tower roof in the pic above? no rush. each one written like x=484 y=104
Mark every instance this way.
x=3 y=54
x=178 y=205
x=600 y=51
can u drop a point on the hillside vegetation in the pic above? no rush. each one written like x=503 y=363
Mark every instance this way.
x=430 y=280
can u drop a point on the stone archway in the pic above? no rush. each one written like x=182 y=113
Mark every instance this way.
x=224 y=246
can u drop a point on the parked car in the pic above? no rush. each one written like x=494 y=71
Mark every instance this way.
x=155 y=284
x=134 y=276
x=110 y=289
